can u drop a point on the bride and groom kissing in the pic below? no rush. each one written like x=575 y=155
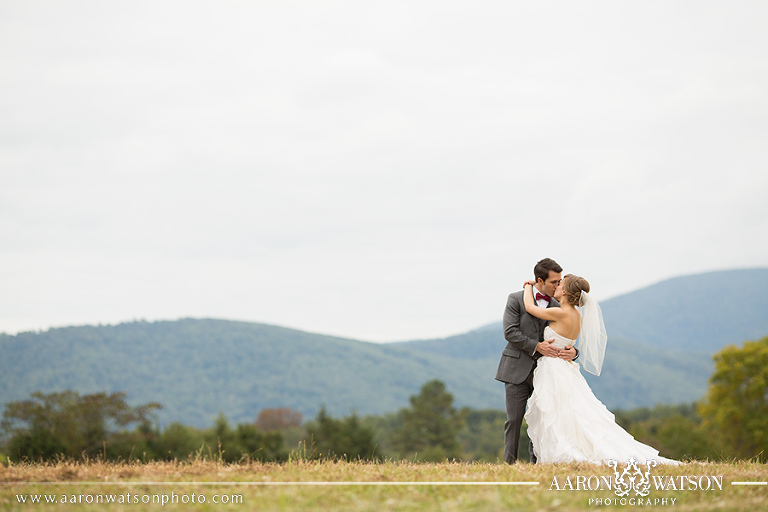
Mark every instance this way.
x=540 y=368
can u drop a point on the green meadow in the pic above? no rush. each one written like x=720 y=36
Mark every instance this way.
x=368 y=486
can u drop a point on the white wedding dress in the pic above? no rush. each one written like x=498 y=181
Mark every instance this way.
x=567 y=423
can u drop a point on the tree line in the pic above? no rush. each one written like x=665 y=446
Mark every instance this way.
x=729 y=423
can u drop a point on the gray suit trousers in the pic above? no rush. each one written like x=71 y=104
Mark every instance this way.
x=516 y=399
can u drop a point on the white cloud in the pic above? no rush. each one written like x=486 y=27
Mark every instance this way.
x=380 y=171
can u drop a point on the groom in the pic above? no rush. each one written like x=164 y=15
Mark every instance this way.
x=525 y=344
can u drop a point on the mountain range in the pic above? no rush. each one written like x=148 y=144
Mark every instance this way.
x=661 y=342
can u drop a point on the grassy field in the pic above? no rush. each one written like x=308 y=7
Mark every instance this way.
x=330 y=486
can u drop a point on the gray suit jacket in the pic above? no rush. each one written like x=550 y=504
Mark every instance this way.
x=523 y=332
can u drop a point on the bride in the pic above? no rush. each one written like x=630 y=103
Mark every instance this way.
x=566 y=422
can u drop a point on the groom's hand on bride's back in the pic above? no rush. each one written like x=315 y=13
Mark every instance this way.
x=546 y=348
x=568 y=353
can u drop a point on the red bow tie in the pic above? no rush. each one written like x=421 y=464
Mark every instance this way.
x=541 y=296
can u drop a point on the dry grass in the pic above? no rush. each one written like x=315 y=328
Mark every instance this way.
x=209 y=477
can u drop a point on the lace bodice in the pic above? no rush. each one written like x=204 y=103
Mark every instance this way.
x=560 y=341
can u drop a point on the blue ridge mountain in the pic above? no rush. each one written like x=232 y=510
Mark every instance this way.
x=661 y=339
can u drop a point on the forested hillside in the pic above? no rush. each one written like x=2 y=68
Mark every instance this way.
x=198 y=368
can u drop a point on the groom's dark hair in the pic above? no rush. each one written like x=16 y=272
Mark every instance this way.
x=542 y=268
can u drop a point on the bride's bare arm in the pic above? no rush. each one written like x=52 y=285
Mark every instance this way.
x=539 y=312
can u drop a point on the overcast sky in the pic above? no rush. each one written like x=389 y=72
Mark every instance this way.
x=376 y=170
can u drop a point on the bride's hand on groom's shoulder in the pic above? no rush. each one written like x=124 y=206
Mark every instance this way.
x=529 y=282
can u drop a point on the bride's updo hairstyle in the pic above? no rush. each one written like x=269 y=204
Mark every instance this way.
x=572 y=287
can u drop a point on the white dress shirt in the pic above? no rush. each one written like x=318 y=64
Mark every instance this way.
x=542 y=303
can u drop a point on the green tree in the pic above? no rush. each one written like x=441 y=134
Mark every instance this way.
x=677 y=431
x=481 y=438
x=736 y=405
x=258 y=445
x=345 y=438
x=70 y=425
x=430 y=426
x=177 y=442
x=245 y=442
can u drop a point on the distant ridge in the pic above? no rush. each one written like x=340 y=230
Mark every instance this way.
x=700 y=312
x=197 y=368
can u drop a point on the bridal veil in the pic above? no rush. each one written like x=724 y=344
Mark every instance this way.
x=593 y=337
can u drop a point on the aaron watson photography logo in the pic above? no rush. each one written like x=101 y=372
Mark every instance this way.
x=633 y=485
